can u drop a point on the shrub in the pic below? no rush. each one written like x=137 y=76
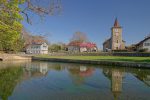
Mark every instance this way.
x=143 y=50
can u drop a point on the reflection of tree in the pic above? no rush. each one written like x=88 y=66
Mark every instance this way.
x=115 y=76
x=140 y=74
x=57 y=67
x=9 y=77
x=143 y=75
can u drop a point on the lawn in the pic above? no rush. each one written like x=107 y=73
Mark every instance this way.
x=98 y=58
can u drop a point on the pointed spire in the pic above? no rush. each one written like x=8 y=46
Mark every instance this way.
x=116 y=24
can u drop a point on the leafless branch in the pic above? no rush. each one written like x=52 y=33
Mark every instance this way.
x=27 y=17
x=55 y=5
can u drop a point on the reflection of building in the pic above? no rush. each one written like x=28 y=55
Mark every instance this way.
x=85 y=72
x=43 y=68
x=116 y=82
x=80 y=73
x=35 y=69
x=115 y=42
x=115 y=75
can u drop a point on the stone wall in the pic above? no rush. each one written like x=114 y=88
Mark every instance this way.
x=131 y=54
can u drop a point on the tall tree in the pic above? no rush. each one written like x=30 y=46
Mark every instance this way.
x=79 y=37
x=10 y=23
x=11 y=12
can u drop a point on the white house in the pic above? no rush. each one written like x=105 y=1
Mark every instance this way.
x=144 y=44
x=37 y=48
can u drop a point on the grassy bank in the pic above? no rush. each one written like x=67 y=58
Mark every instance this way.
x=100 y=58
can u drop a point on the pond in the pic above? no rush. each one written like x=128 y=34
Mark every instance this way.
x=65 y=81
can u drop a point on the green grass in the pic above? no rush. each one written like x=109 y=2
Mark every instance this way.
x=98 y=58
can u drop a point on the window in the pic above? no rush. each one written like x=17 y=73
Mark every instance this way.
x=147 y=44
x=117 y=41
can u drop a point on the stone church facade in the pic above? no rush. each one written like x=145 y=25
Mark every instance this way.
x=115 y=42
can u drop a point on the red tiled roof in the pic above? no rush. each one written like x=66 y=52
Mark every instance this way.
x=88 y=45
x=87 y=73
x=116 y=24
x=84 y=44
x=37 y=41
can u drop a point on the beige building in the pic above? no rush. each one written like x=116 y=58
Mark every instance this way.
x=115 y=42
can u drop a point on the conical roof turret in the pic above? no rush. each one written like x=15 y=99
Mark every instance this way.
x=116 y=24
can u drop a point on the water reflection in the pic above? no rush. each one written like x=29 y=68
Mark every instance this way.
x=79 y=73
x=9 y=77
x=144 y=76
x=35 y=80
x=116 y=78
x=35 y=69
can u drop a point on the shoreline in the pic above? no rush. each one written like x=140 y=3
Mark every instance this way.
x=95 y=62
x=7 y=57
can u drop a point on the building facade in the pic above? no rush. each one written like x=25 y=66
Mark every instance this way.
x=144 y=44
x=37 y=48
x=115 y=42
x=82 y=47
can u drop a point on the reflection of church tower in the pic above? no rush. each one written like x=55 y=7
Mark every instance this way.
x=116 y=37
x=115 y=77
x=116 y=83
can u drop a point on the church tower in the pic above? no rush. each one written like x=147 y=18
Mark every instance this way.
x=116 y=37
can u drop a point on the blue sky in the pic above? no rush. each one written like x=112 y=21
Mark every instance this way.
x=95 y=18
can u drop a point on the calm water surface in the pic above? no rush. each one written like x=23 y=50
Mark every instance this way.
x=64 y=81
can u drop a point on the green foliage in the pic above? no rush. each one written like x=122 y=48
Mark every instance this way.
x=18 y=46
x=10 y=23
x=54 y=48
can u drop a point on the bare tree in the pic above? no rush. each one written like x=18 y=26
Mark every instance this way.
x=41 y=8
x=79 y=37
x=29 y=39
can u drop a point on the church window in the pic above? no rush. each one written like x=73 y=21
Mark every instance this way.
x=117 y=41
